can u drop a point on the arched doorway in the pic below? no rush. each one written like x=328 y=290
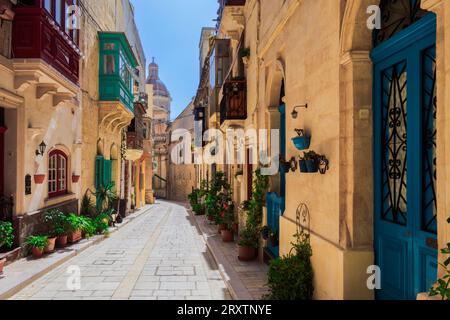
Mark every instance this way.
x=404 y=106
x=276 y=198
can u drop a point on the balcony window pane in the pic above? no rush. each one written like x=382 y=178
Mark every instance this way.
x=58 y=12
x=48 y=5
x=110 y=64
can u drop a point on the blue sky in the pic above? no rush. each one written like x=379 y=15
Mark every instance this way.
x=170 y=31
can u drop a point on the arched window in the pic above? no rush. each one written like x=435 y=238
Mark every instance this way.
x=57 y=173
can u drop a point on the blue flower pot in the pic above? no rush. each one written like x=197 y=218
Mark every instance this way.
x=303 y=167
x=312 y=166
x=285 y=167
x=302 y=143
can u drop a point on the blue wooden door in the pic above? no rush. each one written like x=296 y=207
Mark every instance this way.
x=405 y=160
x=276 y=204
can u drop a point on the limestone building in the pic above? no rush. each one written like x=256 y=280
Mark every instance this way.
x=160 y=131
x=67 y=96
x=373 y=103
x=182 y=174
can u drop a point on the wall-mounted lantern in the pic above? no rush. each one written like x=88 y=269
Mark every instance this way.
x=41 y=149
x=294 y=113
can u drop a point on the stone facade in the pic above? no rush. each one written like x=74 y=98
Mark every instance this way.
x=289 y=65
x=161 y=107
x=182 y=175
x=42 y=106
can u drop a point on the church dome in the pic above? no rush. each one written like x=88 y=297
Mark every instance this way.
x=159 y=88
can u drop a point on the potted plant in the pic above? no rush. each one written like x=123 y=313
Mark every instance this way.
x=75 y=228
x=75 y=178
x=303 y=166
x=37 y=244
x=87 y=226
x=311 y=161
x=228 y=219
x=58 y=228
x=248 y=244
x=302 y=141
x=6 y=239
x=101 y=223
x=291 y=277
x=39 y=178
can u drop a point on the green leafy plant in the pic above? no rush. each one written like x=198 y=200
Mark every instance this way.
x=87 y=207
x=218 y=197
x=310 y=155
x=106 y=196
x=256 y=203
x=442 y=287
x=75 y=222
x=88 y=226
x=228 y=217
x=291 y=277
x=6 y=234
x=249 y=237
x=101 y=223
x=57 y=222
x=39 y=242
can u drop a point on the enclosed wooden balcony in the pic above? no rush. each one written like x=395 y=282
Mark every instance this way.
x=136 y=131
x=233 y=105
x=40 y=32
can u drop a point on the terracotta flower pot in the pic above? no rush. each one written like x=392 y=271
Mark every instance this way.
x=61 y=241
x=210 y=218
x=50 y=246
x=247 y=253
x=37 y=252
x=39 y=178
x=227 y=236
x=75 y=178
x=2 y=265
x=222 y=227
x=74 y=236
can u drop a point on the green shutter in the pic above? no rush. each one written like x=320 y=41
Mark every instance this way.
x=98 y=171
x=107 y=172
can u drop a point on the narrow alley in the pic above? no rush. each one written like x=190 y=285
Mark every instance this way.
x=157 y=256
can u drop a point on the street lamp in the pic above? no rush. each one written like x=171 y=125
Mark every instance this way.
x=41 y=149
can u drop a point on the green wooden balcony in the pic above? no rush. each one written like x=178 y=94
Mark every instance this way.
x=117 y=64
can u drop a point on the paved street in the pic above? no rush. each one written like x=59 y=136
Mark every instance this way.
x=159 y=255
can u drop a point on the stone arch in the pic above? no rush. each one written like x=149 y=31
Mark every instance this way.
x=275 y=80
x=100 y=147
x=70 y=158
x=355 y=36
x=276 y=76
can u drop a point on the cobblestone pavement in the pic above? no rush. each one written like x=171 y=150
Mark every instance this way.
x=157 y=256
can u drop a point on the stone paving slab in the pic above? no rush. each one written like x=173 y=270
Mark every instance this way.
x=158 y=256
x=245 y=280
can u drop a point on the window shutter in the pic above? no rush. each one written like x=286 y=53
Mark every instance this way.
x=98 y=172
x=107 y=172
